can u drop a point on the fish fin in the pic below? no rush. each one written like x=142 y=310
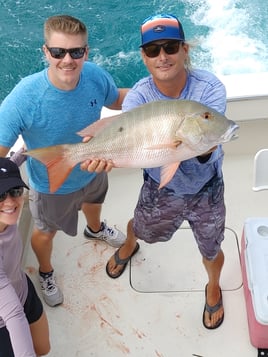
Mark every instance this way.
x=173 y=145
x=177 y=143
x=167 y=173
x=57 y=161
x=95 y=128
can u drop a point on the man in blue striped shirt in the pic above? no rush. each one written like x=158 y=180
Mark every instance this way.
x=196 y=192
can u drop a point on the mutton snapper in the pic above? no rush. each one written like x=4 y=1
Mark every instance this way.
x=157 y=134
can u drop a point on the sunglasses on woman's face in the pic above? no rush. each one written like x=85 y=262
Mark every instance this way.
x=153 y=50
x=13 y=192
x=60 y=53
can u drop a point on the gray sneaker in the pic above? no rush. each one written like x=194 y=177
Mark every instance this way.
x=112 y=236
x=50 y=291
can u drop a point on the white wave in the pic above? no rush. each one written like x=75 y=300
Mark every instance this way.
x=230 y=45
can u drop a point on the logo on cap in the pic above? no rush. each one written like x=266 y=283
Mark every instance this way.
x=3 y=169
x=159 y=28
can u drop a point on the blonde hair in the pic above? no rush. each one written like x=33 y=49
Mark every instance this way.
x=187 y=62
x=65 y=24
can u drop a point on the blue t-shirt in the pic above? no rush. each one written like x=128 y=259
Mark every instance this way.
x=203 y=87
x=45 y=115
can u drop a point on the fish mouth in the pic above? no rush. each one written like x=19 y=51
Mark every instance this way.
x=231 y=133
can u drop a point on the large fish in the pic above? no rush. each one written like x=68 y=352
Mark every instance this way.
x=157 y=134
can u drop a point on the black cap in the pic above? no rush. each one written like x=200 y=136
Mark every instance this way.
x=10 y=176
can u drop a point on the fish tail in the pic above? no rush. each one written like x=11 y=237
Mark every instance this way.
x=58 y=162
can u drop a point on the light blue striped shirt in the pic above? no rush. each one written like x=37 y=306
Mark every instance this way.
x=201 y=86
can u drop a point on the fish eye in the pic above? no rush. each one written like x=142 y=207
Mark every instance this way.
x=207 y=115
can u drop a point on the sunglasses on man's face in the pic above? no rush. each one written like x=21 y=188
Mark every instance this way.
x=59 y=53
x=13 y=192
x=153 y=50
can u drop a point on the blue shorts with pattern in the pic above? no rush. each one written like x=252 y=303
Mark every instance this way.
x=159 y=213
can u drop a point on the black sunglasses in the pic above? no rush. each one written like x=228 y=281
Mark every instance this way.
x=59 y=53
x=170 y=47
x=13 y=192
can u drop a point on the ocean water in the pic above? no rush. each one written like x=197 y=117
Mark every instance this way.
x=230 y=36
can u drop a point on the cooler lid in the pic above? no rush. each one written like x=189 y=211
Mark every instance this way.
x=256 y=260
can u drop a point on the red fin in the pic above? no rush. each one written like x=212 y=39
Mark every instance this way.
x=95 y=128
x=58 y=163
x=167 y=173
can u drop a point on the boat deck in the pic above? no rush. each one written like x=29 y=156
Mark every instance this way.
x=155 y=308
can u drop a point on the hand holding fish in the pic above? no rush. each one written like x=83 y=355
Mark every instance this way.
x=157 y=134
x=96 y=165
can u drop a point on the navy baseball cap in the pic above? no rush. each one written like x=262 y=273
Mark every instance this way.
x=9 y=175
x=161 y=27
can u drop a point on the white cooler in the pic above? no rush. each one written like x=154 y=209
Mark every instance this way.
x=254 y=262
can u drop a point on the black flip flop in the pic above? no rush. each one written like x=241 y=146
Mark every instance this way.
x=120 y=261
x=211 y=310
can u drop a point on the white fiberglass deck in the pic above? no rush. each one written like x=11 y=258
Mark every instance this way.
x=155 y=308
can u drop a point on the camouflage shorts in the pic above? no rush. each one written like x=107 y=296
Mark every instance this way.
x=159 y=213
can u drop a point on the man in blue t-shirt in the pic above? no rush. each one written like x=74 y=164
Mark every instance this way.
x=195 y=193
x=49 y=108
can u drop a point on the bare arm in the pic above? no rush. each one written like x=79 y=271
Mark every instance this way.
x=117 y=105
x=4 y=151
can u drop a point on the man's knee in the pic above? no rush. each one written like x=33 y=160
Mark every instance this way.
x=42 y=235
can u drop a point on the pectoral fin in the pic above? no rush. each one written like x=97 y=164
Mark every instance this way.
x=172 y=145
x=167 y=173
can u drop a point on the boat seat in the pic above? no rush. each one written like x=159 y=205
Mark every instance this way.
x=260 y=173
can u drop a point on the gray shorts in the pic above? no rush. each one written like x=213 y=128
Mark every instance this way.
x=159 y=213
x=53 y=212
